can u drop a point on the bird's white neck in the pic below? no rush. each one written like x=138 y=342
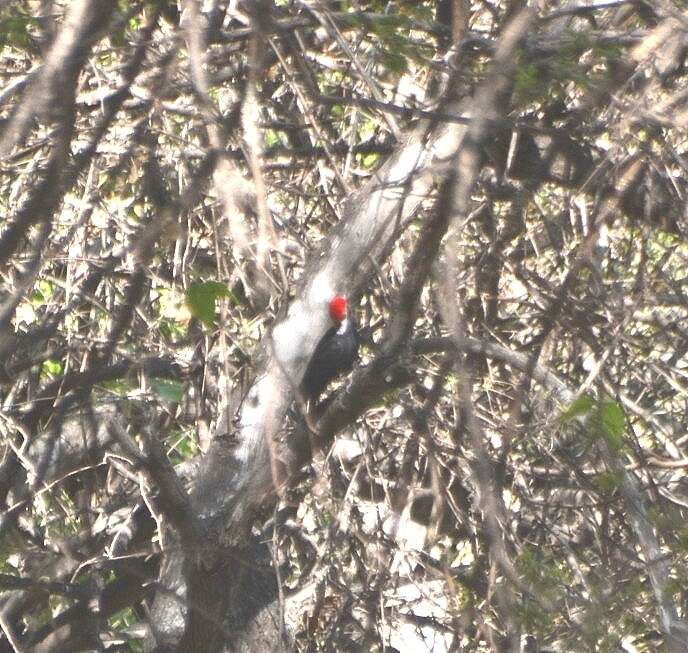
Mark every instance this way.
x=343 y=326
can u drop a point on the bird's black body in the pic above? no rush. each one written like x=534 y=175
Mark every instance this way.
x=335 y=354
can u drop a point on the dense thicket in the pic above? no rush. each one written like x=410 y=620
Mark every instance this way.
x=500 y=189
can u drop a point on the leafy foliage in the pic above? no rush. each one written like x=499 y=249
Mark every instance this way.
x=201 y=298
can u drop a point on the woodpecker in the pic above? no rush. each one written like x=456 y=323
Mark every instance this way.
x=336 y=352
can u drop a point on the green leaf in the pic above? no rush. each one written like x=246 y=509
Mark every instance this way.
x=42 y=293
x=612 y=420
x=16 y=27
x=369 y=160
x=201 y=298
x=581 y=406
x=271 y=137
x=167 y=390
x=528 y=84
x=51 y=368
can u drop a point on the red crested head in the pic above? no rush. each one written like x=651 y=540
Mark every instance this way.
x=338 y=308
